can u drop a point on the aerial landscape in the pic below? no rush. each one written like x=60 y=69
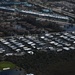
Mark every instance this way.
x=37 y=37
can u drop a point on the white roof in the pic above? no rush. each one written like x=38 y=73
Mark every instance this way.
x=31 y=52
x=9 y=54
x=30 y=42
x=74 y=42
x=66 y=48
x=52 y=42
x=55 y=43
x=58 y=50
x=27 y=49
x=18 y=50
x=33 y=44
x=65 y=37
x=65 y=33
x=6 y=43
x=6 y=68
x=1 y=51
x=29 y=74
x=72 y=37
x=42 y=37
x=21 y=46
x=62 y=36
x=72 y=47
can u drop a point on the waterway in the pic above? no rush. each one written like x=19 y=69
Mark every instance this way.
x=12 y=72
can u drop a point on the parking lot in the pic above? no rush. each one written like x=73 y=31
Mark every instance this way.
x=49 y=42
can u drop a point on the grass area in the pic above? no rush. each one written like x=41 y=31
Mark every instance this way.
x=5 y=64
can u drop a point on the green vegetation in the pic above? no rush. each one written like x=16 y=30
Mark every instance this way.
x=5 y=64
